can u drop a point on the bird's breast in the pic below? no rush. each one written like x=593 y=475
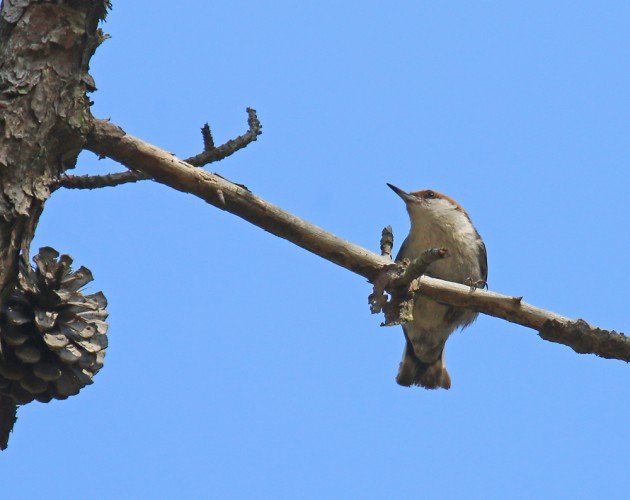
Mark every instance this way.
x=463 y=247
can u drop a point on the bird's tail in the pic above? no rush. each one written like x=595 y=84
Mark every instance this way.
x=412 y=371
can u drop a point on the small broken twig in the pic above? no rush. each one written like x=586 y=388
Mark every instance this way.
x=397 y=280
x=210 y=154
x=208 y=140
x=387 y=242
x=419 y=265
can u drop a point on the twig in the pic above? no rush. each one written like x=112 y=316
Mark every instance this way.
x=208 y=140
x=109 y=140
x=100 y=181
x=387 y=242
x=419 y=265
x=399 y=309
x=210 y=154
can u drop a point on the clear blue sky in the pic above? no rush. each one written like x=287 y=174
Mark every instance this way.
x=241 y=366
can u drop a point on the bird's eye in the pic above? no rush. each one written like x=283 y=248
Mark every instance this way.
x=430 y=194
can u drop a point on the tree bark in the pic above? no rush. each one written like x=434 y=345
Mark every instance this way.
x=45 y=49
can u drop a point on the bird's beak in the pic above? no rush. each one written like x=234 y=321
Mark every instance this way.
x=403 y=194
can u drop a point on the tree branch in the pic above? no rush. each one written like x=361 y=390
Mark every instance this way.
x=100 y=181
x=397 y=281
x=210 y=154
x=109 y=140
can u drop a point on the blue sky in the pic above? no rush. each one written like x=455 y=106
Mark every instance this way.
x=241 y=366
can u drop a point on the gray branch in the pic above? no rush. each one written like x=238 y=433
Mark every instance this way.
x=210 y=154
x=109 y=140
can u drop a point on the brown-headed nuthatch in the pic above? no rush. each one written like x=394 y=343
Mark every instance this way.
x=437 y=221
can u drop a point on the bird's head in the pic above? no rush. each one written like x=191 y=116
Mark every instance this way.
x=429 y=205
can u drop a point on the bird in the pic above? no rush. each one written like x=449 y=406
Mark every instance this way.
x=437 y=221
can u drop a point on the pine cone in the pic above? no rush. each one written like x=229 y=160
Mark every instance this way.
x=53 y=338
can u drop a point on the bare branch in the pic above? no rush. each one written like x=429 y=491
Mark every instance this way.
x=100 y=181
x=109 y=140
x=210 y=154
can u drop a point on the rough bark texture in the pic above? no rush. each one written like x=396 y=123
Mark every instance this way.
x=583 y=339
x=45 y=49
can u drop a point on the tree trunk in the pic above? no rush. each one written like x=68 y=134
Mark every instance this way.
x=45 y=50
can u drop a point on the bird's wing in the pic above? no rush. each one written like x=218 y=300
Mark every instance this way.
x=402 y=253
x=483 y=259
